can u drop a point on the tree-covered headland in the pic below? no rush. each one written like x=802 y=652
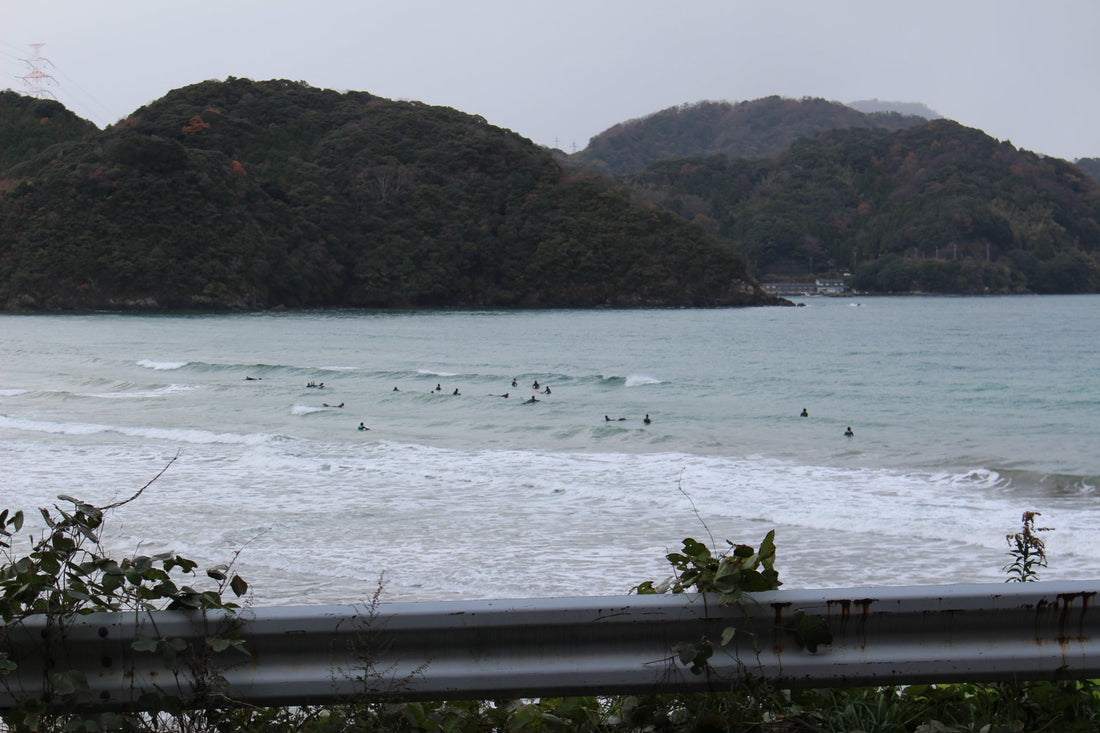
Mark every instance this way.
x=809 y=188
x=244 y=194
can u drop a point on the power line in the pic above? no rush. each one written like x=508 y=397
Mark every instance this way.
x=70 y=93
x=37 y=78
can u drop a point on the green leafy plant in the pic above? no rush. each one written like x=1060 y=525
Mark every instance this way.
x=1028 y=550
x=68 y=573
x=731 y=574
x=738 y=570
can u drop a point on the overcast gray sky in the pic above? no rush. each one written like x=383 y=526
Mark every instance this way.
x=561 y=72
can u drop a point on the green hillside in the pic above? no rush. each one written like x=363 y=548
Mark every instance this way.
x=936 y=207
x=244 y=194
x=28 y=126
x=1090 y=166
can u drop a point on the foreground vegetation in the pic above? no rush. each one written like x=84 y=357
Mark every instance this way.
x=67 y=574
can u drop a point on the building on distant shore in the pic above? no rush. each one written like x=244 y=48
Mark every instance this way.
x=821 y=286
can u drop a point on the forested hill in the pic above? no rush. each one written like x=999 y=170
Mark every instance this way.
x=762 y=128
x=29 y=126
x=1090 y=166
x=937 y=207
x=244 y=194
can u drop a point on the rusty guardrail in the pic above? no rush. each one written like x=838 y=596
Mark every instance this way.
x=571 y=646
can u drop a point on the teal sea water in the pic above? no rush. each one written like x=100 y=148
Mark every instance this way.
x=965 y=413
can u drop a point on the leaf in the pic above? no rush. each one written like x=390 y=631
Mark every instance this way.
x=697 y=551
x=238 y=586
x=685 y=651
x=754 y=582
x=695 y=654
x=728 y=633
x=743 y=551
x=767 y=550
x=155 y=574
x=62 y=684
x=810 y=631
x=218 y=643
x=144 y=644
x=111 y=583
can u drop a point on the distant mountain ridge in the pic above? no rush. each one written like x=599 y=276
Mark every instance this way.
x=1090 y=166
x=757 y=129
x=912 y=109
x=936 y=207
x=898 y=202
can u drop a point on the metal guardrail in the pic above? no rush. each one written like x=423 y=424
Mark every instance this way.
x=576 y=646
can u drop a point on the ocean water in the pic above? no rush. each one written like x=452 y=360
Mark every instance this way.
x=965 y=412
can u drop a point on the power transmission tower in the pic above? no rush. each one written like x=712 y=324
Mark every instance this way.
x=37 y=79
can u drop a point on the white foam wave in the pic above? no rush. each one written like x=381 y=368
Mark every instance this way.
x=174 y=435
x=429 y=372
x=13 y=392
x=307 y=409
x=142 y=394
x=161 y=366
x=637 y=380
x=608 y=511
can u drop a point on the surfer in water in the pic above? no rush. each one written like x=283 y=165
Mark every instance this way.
x=363 y=427
x=804 y=413
x=647 y=421
x=848 y=433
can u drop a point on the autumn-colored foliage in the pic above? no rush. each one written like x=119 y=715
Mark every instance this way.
x=195 y=124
